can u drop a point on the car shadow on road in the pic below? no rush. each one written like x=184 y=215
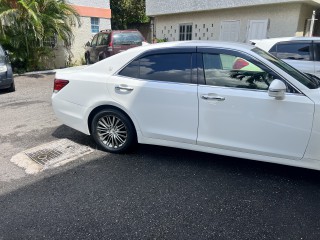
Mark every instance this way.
x=64 y=131
x=164 y=193
x=4 y=91
x=231 y=165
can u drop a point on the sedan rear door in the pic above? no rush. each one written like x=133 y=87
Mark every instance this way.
x=158 y=90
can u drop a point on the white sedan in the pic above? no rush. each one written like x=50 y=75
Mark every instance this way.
x=299 y=52
x=223 y=98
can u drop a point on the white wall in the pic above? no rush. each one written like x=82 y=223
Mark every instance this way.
x=75 y=55
x=82 y=35
x=161 y=7
x=283 y=21
x=91 y=3
x=305 y=13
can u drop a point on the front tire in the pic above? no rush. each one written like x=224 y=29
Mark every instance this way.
x=102 y=56
x=113 y=131
x=12 y=88
x=87 y=59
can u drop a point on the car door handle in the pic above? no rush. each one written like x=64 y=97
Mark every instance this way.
x=213 y=97
x=123 y=88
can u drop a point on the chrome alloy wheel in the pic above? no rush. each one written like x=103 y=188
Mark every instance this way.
x=111 y=131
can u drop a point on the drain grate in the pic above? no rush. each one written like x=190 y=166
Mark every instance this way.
x=44 y=155
x=56 y=152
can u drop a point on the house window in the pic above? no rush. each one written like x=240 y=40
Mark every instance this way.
x=185 y=32
x=95 y=25
x=50 y=41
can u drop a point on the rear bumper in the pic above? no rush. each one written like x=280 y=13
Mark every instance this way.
x=72 y=115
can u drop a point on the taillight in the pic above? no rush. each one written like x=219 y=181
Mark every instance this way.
x=59 y=84
x=110 y=47
x=240 y=63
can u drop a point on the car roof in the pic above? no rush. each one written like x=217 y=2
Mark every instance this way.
x=127 y=30
x=267 y=44
x=286 y=39
x=198 y=43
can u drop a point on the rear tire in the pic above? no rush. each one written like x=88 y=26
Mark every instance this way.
x=113 y=131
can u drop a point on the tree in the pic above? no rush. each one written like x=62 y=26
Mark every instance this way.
x=26 y=24
x=125 y=12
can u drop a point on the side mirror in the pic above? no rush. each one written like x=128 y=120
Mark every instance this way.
x=277 y=89
x=88 y=44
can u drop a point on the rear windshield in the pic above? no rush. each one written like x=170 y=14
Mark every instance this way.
x=309 y=82
x=127 y=38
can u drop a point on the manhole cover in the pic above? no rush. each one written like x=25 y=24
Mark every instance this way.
x=50 y=155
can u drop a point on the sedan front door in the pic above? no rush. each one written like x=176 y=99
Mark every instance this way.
x=237 y=114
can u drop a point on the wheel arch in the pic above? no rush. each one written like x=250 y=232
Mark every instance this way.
x=106 y=107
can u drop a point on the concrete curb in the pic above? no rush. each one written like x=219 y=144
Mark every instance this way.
x=47 y=71
x=36 y=72
x=41 y=72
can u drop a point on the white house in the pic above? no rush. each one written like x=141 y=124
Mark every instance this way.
x=94 y=16
x=231 y=20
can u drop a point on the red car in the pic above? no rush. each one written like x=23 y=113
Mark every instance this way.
x=110 y=42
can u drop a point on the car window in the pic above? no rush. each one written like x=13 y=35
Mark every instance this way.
x=299 y=76
x=173 y=67
x=94 y=40
x=125 y=38
x=294 y=51
x=102 y=39
x=232 y=71
x=273 y=50
x=131 y=70
x=317 y=51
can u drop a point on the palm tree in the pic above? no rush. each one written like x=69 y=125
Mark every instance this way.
x=26 y=24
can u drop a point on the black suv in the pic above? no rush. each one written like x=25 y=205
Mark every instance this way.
x=109 y=42
x=6 y=75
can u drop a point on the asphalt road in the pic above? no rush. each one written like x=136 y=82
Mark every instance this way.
x=152 y=193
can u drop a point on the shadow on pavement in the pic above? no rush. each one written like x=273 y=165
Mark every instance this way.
x=235 y=165
x=64 y=131
x=165 y=193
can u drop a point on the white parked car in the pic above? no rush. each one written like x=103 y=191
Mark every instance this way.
x=223 y=98
x=302 y=53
